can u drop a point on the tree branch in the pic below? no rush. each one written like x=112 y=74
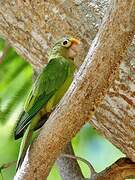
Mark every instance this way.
x=88 y=89
x=120 y=170
x=69 y=168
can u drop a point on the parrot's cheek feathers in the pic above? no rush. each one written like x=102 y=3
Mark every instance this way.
x=73 y=50
x=72 y=53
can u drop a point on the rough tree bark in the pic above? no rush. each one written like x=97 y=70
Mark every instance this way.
x=120 y=170
x=30 y=32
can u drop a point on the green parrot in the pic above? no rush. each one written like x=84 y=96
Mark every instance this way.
x=46 y=92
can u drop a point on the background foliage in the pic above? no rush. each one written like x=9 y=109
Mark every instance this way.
x=15 y=82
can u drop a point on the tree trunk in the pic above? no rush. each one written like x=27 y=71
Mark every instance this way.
x=30 y=26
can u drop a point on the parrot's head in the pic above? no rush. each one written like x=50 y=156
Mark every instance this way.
x=67 y=47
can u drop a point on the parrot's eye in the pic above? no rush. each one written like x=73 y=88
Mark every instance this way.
x=66 y=43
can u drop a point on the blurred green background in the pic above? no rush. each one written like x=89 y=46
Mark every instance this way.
x=15 y=82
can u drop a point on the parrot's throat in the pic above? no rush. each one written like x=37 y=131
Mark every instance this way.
x=58 y=54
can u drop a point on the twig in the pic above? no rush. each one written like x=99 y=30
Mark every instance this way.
x=5 y=50
x=69 y=168
x=5 y=166
x=92 y=170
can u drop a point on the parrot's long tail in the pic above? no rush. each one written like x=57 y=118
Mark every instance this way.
x=27 y=137
x=26 y=141
x=24 y=146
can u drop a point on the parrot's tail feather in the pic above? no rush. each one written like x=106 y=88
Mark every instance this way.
x=18 y=133
x=24 y=146
x=39 y=125
x=26 y=117
x=17 y=136
x=26 y=140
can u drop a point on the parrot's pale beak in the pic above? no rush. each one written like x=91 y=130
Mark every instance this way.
x=75 y=41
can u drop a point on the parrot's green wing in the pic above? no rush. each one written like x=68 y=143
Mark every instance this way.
x=49 y=81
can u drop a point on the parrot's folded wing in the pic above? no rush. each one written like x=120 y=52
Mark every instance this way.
x=27 y=116
x=49 y=81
